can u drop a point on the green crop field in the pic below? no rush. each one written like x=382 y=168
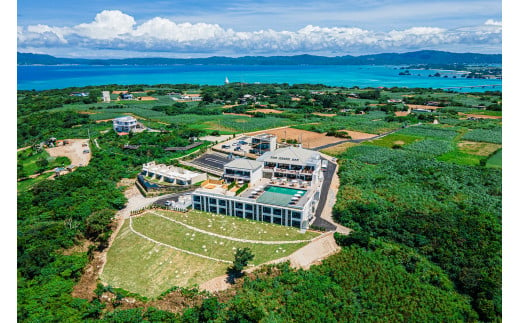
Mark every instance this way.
x=459 y=157
x=145 y=267
x=393 y=140
x=495 y=161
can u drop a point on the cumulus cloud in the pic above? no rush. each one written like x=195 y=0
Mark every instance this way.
x=107 y=24
x=115 y=30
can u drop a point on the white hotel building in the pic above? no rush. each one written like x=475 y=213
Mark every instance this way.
x=283 y=187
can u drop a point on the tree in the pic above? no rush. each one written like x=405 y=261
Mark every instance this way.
x=242 y=257
x=42 y=163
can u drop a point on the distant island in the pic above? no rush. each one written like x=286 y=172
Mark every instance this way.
x=410 y=58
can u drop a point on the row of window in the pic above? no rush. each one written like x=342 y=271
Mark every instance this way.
x=295 y=222
x=249 y=207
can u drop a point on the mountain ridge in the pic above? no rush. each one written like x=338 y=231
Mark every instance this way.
x=417 y=57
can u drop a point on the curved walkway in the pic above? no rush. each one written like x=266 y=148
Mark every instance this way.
x=230 y=238
x=174 y=248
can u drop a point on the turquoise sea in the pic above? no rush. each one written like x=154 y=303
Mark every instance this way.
x=53 y=77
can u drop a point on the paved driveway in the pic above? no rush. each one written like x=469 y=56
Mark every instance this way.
x=323 y=198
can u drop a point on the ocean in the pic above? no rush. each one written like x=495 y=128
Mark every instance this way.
x=39 y=77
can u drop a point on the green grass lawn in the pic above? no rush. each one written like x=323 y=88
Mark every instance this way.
x=148 y=269
x=144 y=267
x=239 y=228
x=181 y=237
x=28 y=160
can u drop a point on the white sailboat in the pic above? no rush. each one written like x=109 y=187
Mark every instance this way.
x=226 y=81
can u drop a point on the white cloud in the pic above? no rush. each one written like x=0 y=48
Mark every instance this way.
x=114 y=30
x=107 y=24
x=493 y=22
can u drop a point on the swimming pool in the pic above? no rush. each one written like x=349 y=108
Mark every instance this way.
x=284 y=190
x=280 y=196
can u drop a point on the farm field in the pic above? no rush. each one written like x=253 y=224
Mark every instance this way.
x=338 y=149
x=495 y=161
x=393 y=139
x=310 y=139
x=148 y=268
x=425 y=201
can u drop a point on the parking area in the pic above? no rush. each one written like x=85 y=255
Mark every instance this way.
x=240 y=145
x=171 y=197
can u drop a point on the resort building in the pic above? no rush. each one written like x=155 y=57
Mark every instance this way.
x=171 y=174
x=262 y=143
x=242 y=170
x=125 y=124
x=292 y=164
x=286 y=193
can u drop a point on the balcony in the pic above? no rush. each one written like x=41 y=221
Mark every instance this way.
x=237 y=176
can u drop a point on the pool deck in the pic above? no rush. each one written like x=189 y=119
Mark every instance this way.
x=275 y=198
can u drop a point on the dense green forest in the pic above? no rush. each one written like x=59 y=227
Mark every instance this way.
x=427 y=224
x=449 y=213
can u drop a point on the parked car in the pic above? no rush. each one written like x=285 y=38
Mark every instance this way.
x=225 y=146
x=237 y=149
x=168 y=203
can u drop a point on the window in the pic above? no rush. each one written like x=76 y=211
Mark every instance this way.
x=197 y=206
x=277 y=211
x=249 y=207
x=212 y=201
x=196 y=198
x=266 y=209
x=240 y=213
x=222 y=202
x=213 y=209
x=239 y=205
x=222 y=210
x=296 y=215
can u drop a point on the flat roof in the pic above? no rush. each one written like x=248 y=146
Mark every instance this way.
x=125 y=118
x=291 y=155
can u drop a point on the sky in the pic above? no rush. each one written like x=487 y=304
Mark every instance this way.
x=161 y=28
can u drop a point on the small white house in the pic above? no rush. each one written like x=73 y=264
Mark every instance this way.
x=171 y=174
x=106 y=96
x=125 y=124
